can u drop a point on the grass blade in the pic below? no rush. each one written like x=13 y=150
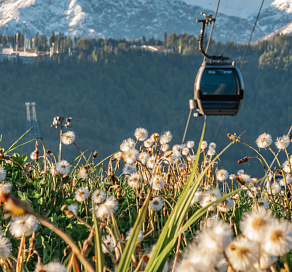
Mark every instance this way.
x=131 y=244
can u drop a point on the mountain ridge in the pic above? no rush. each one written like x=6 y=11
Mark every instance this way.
x=132 y=19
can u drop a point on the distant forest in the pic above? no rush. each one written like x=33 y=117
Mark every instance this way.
x=111 y=87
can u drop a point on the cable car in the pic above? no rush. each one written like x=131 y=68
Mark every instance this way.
x=218 y=89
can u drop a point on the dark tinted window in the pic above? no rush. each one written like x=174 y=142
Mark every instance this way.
x=219 y=81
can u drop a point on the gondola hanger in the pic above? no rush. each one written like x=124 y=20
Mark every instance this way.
x=219 y=87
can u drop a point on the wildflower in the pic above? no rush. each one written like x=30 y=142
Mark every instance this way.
x=240 y=172
x=242 y=253
x=222 y=174
x=197 y=197
x=73 y=208
x=128 y=169
x=143 y=157
x=5 y=188
x=265 y=261
x=278 y=238
x=105 y=209
x=50 y=267
x=81 y=194
x=156 y=204
x=166 y=137
x=212 y=146
x=23 y=225
x=185 y=151
x=68 y=137
x=108 y=244
x=286 y=167
x=5 y=247
x=131 y=155
x=157 y=182
x=154 y=137
x=209 y=197
x=148 y=256
x=231 y=176
x=225 y=205
x=99 y=196
x=254 y=224
x=176 y=147
x=62 y=168
x=191 y=158
x=190 y=144
x=204 y=145
x=2 y=173
x=262 y=203
x=118 y=155
x=287 y=178
x=148 y=143
x=83 y=172
x=264 y=140
x=211 y=152
x=134 y=180
x=129 y=232
x=274 y=189
x=127 y=144
x=165 y=147
x=282 y=142
x=141 y=134
x=175 y=157
x=211 y=220
x=151 y=162
x=34 y=156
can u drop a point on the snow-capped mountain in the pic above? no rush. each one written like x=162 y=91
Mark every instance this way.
x=133 y=19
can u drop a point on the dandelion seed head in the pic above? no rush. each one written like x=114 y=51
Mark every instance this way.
x=156 y=204
x=73 y=208
x=134 y=180
x=62 y=168
x=222 y=174
x=51 y=267
x=204 y=145
x=264 y=140
x=148 y=143
x=81 y=194
x=23 y=225
x=282 y=142
x=109 y=242
x=5 y=247
x=141 y=134
x=108 y=207
x=129 y=169
x=127 y=144
x=83 y=172
x=190 y=144
x=99 y=196
x=157 y=182
x=143 y=157
x=2 y=173
x=68 y=137
x=166 y=137
x=131 y=155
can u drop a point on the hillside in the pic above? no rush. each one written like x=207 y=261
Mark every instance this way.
x=122 y=90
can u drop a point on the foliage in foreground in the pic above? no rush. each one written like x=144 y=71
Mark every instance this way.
x=171 y=209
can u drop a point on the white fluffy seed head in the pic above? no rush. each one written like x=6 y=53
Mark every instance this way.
x=81 y=194
x=282 y=142
x=99 y=196
x=23 y=225
x=141 y=134
x=5 y=247
x=264 y=140
x=68 y=137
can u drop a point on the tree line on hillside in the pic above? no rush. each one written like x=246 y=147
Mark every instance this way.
x=110 y=98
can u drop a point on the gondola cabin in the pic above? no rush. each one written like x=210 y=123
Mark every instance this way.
x=218 y=89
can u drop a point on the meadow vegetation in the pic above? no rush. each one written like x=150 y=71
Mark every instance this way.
x=174 y=207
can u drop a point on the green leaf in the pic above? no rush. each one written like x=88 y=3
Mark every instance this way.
x=131 y=244
x=99 y=262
